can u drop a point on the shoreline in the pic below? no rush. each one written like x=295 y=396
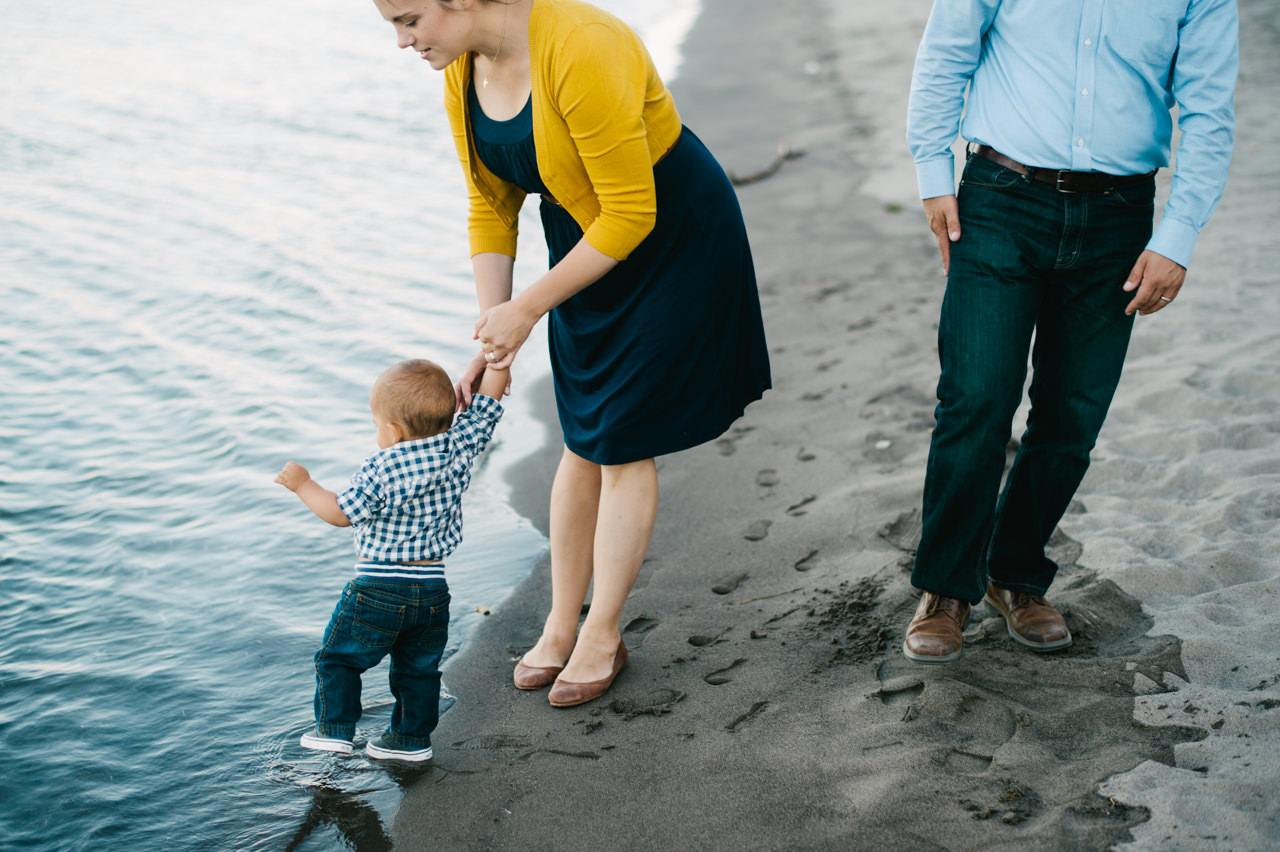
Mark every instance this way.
x=529 y=477
x=767 y=704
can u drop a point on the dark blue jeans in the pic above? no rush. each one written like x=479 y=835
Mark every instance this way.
x=408 y=619
x=1030 y=259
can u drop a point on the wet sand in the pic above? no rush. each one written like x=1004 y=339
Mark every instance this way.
x=767 y=704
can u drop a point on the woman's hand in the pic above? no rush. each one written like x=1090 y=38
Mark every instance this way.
x=470 y=381
x=502 y=330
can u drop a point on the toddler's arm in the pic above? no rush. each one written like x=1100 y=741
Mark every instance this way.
x=494 y=382
x=319 y=500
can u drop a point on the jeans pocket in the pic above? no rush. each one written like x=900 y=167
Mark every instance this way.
x=981 y=173
x=431 y=629
x=376 y=623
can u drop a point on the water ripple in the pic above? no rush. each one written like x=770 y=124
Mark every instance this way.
x=220 y=223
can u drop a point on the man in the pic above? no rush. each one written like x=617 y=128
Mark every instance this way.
x=1067 y=117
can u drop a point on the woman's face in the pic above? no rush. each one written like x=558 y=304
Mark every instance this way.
x=436 y=30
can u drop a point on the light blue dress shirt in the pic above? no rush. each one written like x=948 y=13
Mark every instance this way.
x=1085 y=85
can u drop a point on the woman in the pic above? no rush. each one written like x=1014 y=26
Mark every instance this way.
x=656 y=339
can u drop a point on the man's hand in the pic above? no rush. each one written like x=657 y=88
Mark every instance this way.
x=943 y=213
x=293 y=476
x=1157 y=280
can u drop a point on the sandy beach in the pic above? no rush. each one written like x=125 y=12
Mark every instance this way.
x=767 y=704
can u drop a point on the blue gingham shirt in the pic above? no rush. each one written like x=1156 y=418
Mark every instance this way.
x=406 y=502
x=1085 y=85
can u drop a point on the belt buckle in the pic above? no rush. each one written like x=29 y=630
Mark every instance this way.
x=1060 y=183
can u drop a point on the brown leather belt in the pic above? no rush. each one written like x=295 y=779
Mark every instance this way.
x=1062 y=180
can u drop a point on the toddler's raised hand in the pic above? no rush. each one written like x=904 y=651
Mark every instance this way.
x=293 y=476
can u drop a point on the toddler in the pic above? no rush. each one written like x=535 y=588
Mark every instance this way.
x=406 y=507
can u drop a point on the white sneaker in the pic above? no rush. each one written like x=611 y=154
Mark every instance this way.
x=314 y=741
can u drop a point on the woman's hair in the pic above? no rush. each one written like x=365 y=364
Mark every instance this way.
x=418 y=395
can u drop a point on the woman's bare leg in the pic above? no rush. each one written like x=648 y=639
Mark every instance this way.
x=628 y=505
x=575 y=503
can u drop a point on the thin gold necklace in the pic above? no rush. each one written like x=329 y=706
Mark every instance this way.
x=506 y=7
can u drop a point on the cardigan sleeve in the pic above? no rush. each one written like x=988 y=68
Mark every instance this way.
x=600 y=82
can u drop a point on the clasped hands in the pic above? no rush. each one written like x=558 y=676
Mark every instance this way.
x=1156 y=278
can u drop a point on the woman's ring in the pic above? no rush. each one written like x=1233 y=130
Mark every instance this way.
x=492 y=356
x=1165 y=299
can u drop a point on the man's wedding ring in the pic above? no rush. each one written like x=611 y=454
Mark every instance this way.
x=1165 y=299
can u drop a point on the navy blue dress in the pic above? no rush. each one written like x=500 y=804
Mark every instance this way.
x=667 y=349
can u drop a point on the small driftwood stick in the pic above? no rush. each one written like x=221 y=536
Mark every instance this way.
x=785 y=152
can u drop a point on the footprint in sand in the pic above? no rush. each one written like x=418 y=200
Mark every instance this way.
x=636 y=629
x=767 y=478
x=805 y=456
x=728 y=584
x=829 y=291
x=758 y=531
x=795 y=510
x=994 y=720
x=720 y=677
x=583 y=755
x=701 y=640
x=881 y=447
x=747 y=717
x=657 y=703
x=807 y=562
x=903 y=532
x=968 y=763
x=901 y=690
x=493 y=741
x=726 y=445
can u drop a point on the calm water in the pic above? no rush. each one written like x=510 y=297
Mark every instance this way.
x=218 y=223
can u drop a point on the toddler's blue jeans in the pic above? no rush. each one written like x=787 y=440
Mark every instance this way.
x=408 y=619
x=1030 y=259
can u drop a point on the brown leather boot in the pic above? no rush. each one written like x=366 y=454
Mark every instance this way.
x=935 y=634
x=1032 y=620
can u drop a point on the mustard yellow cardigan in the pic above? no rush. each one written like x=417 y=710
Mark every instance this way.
x=601 y=119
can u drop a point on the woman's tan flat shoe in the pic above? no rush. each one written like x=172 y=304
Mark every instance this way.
x=532 y=677
x=566 y=694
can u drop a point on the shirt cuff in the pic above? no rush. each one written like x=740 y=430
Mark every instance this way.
x=486 y=406
x=352 y=505
x=937 y=177
x=1174 y=240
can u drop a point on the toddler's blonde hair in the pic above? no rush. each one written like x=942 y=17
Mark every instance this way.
x=418 y=395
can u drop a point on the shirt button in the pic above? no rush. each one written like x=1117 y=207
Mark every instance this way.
x=1088 y=42
x=1079 y=143
x=1084 y=92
